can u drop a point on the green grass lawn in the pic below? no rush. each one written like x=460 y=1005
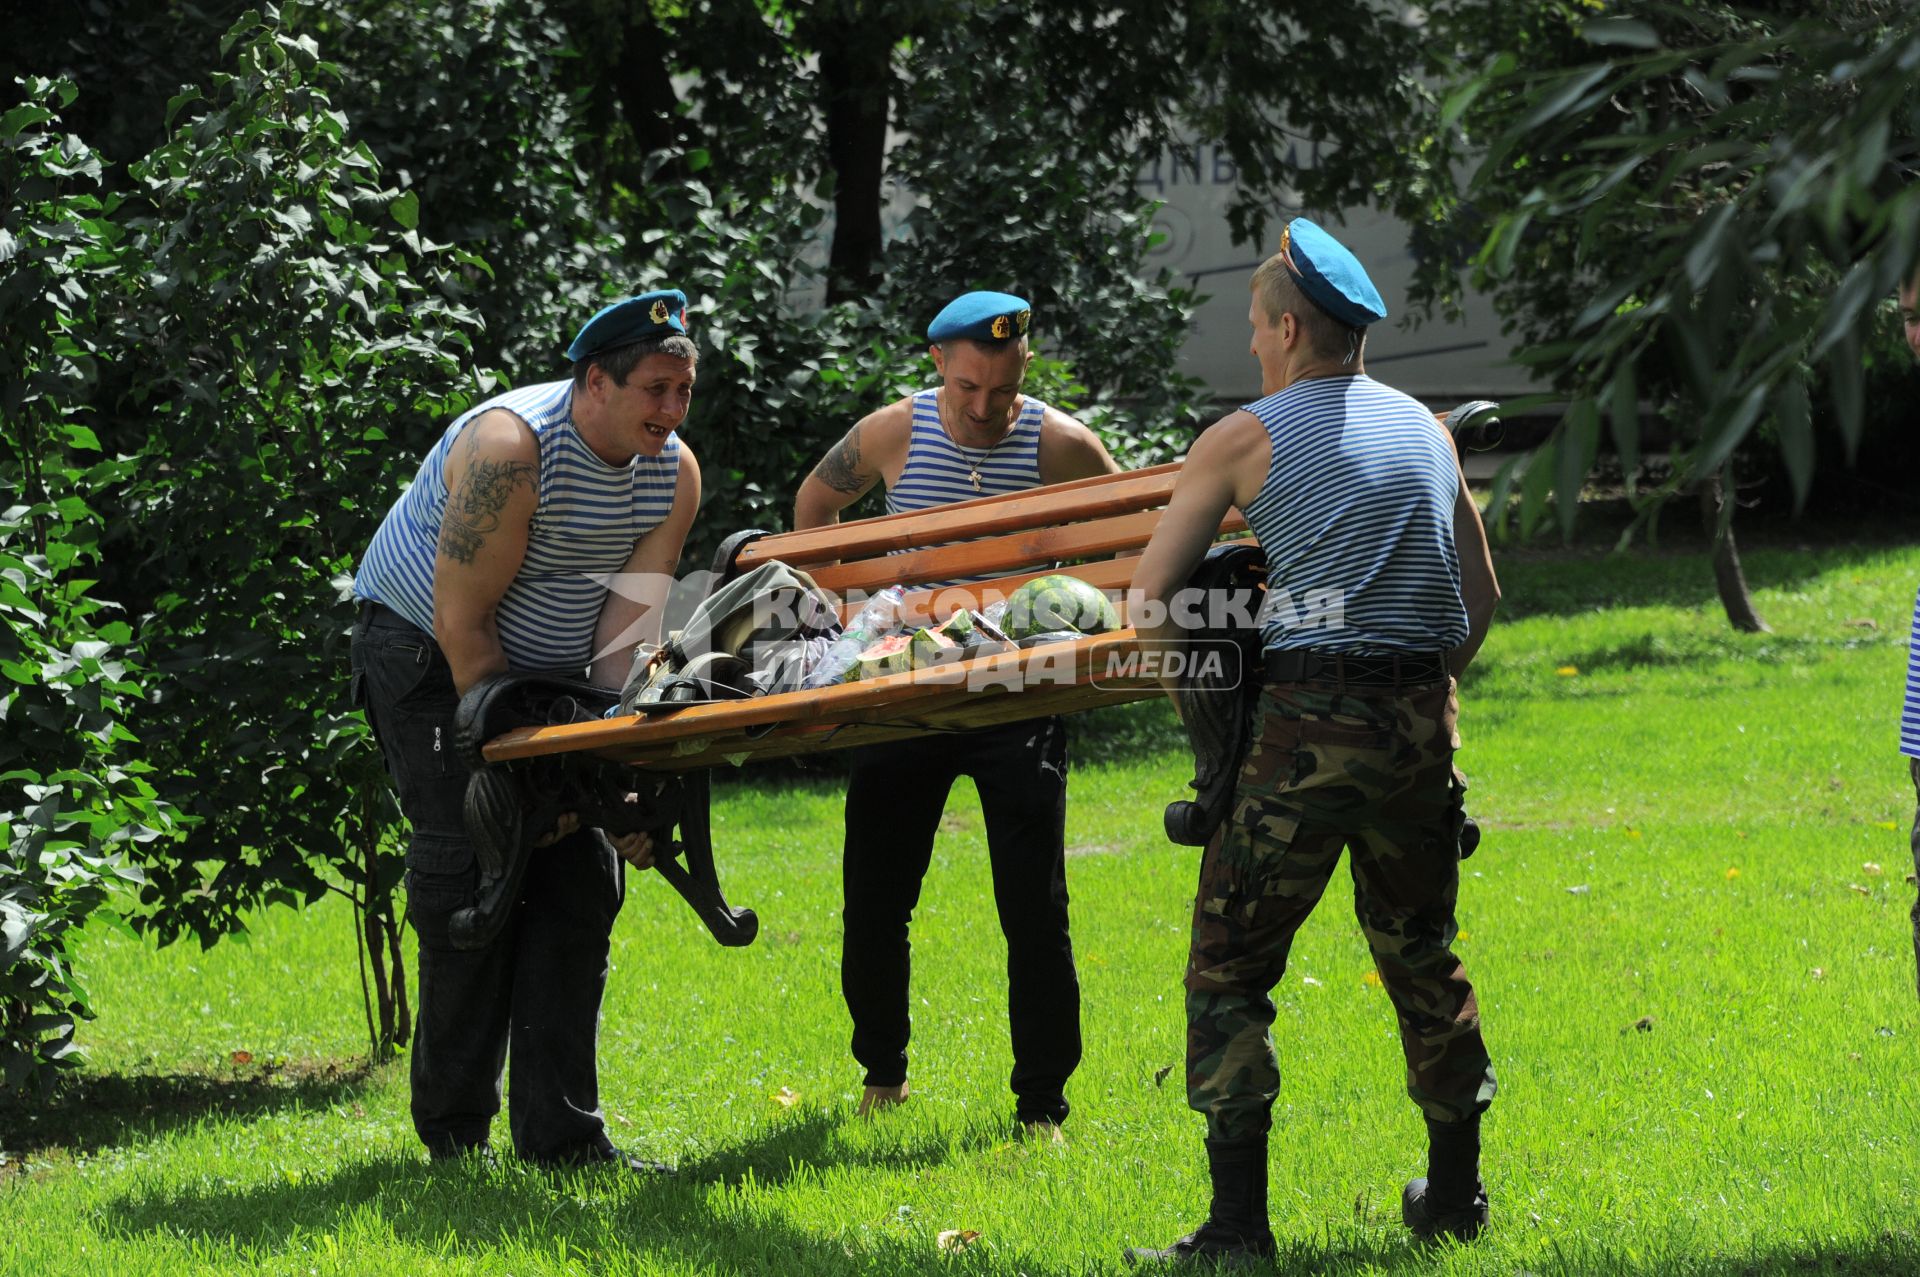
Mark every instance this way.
x=1687 y=924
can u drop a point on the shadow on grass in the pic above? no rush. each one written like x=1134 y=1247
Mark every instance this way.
x=1395 y=1252
x=1645 y=652
x=778 y=1153
x=474 y=1209
x=601 y=1219
x=1886 y=1255
x=107 y=1110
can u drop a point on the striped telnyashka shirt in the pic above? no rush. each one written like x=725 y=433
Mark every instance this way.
x=1910 y=709
x=1356 y=518
x=584 y=527
x=936 y=468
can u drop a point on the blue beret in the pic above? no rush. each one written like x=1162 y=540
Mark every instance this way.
x=982 y=317
x=1332 y=277
x=633 y=319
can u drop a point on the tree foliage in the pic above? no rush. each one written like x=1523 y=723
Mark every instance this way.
x=75 y=796
x=298 y=354
x=476 y=110
x=1698 y=206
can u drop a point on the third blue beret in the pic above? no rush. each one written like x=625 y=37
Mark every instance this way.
x=982 y=317
x=1330 y=275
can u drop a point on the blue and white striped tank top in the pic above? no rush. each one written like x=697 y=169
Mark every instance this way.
x=936 y=469
x=588 y=517
x=1356 y=517
x=1910 y=708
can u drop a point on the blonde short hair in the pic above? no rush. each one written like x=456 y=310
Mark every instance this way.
x=1278 y=295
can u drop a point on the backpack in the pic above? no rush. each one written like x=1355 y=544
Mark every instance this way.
x=753 y=636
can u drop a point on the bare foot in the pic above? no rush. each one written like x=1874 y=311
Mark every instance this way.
x=1043 y=1132
x=875 y=1098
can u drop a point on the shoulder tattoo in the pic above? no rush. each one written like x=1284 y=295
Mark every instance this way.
x=473 y=511
x=840 y=468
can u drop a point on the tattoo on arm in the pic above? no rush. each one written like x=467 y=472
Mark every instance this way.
x=474 y=510
x=840 y=468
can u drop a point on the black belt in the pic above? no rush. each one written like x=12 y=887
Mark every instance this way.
x=1399 y=669
x=374 y=612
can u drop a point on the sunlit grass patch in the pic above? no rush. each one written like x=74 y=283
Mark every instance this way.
x=1688 y=925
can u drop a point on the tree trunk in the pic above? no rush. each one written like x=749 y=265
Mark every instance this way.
x=403 y=1011
x=383 y=1002
x=643 y=83
x=389 y=978
x=1716 y=512
x=856 y=77
x=383 y=970
x=628 y=80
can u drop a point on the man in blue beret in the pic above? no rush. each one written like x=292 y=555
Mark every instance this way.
x=973 y=435
x=540 y=534
x=1357 y=498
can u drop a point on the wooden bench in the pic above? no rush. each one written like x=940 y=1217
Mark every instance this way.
x=1092 y=528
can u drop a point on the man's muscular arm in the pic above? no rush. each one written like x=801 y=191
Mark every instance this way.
x=1479 y=588
x=851 y=467
x=493 y=481
x=1224 y=469
x=1070 y=450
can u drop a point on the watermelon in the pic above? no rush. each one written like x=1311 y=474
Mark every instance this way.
x=947 y=641
x=890 y=655
x=1058 y=602
x=931 y=647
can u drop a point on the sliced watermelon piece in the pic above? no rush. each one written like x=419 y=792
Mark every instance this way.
x=890 y=655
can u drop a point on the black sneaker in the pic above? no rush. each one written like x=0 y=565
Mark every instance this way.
x=452 y=1155
x=1209 y=1245
x=1427 y=1224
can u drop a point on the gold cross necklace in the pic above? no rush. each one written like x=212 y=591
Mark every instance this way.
x=973 y=467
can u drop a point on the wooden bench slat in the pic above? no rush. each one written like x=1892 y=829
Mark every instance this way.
x=1108 y=574
x=1023 y=549
x=1098 y=497
x=811 y=738
x=917 y=694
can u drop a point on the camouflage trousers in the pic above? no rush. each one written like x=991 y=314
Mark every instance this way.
x=1371 y=771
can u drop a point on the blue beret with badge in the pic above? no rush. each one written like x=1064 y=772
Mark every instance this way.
x=982 y=317
x=1330 y=275
x=657 y=314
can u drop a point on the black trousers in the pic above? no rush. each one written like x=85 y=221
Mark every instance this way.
x=895 y=795
x=534 y=993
